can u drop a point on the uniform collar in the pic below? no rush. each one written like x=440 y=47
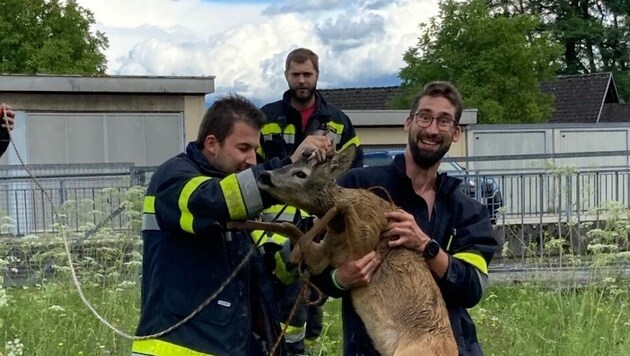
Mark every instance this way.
x=445 y=183
x=321 y=105
x=194 y=153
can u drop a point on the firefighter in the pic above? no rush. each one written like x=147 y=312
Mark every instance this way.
x=189 y=253
x=301 y=114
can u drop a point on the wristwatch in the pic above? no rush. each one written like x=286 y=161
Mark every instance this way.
x=431 y=249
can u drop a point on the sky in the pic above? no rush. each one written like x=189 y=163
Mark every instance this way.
x=243 y=44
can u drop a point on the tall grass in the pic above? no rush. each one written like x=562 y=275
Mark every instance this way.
x=512 y=320
x=46 y=317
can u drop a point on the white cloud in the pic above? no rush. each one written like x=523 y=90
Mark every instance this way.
x=244 y=45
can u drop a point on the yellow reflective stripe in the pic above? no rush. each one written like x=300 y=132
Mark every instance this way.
x=233 y=197
x=162 y=348
x=260 y=152
x=281 y=270
x=149 y=204
x=474 y=259
x=289 y=129
x=186 y=220
x=271 y=129
x=353 y=141
x=275 y=209
x=274 y=238
x=335 y=127
x=256 y=237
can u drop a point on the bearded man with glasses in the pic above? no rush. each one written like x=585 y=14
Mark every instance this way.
x=448 y=229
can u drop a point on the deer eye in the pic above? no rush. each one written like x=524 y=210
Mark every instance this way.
x=299 y=174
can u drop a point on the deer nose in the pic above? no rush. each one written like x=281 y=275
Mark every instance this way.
x=265 y=178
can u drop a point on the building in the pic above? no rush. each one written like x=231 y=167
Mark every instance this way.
x=77 y=119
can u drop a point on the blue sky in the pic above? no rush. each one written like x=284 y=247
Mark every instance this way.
x=243 y=43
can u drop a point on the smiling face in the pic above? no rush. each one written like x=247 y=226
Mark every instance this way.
x=429 y=144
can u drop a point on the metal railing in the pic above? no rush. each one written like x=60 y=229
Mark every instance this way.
x=87 y=194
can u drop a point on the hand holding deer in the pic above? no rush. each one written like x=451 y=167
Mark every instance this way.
x=399 y=303
x=353 y=274
x=313 y=145
x=404 y=231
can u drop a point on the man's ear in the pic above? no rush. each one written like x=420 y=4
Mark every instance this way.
x=407 y=124
x=457 y=134
x=211 y=144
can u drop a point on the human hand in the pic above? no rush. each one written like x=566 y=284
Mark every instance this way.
x=7 y=115
x=404 y=231
x=358 y=273
x=319 y=145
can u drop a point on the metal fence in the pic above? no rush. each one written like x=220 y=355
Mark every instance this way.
x=86 y=194
x=82 y=194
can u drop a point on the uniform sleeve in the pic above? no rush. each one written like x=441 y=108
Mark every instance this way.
x=198 y=204
x=470 y=249
x=5 y=139
x=349 y=137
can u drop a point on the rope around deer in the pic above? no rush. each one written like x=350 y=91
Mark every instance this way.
x=88 y=305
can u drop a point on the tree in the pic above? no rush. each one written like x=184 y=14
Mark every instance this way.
x=49 y=36
x=496 y=61
x=594 y=34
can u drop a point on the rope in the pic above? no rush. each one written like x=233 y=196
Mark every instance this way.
x=75 y=278
x=88 y=305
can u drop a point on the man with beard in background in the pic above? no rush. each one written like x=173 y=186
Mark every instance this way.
x=450 y=230
x=301 y=116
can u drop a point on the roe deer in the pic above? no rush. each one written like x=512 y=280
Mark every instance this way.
x=402 y=307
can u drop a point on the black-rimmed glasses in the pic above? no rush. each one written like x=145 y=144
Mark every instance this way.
x=424 y=120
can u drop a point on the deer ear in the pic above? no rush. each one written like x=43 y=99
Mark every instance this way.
x=342 y=161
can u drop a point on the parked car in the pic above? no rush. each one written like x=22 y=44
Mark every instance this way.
x=483 y=189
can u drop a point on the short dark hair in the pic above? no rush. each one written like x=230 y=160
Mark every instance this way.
x=440 y=89
x=219 y=119
x=301 y=55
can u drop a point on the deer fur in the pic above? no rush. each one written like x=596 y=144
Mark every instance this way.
x=402 y=307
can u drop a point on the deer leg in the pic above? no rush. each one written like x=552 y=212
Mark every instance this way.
x=314 y=254
x=284 y=228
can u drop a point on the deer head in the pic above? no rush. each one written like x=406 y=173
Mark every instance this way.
x=305 y=184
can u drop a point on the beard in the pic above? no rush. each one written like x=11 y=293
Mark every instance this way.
x=423 y=158
x=302 y=95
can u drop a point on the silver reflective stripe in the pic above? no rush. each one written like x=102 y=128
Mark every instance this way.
x=149 y=222
x=335 y=138
x=268 y=137
x=293 y=338
x=283 y=217
x=289 y=138
x=250 y=192
x=484 y=282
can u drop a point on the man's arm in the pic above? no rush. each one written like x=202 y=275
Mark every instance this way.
x=462 y=276
x=349 y=137
x=337 y=282
x=471 y=250
x=7 y=116
x=197 y=204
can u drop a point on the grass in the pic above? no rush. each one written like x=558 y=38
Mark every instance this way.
x=512 y=320
x=536 y=320
x=51 y=320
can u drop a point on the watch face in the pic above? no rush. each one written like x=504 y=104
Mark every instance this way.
x=431 y=249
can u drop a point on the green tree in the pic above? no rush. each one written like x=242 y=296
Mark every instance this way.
x=594 y=34
x=496 y=61
x=49 y=36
